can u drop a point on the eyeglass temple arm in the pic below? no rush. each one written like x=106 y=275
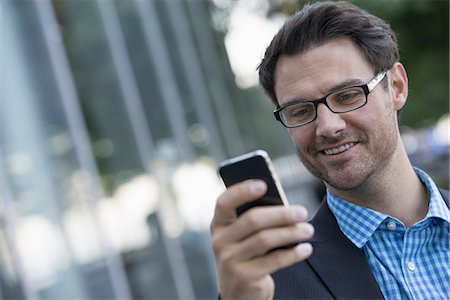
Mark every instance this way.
x=371 y=85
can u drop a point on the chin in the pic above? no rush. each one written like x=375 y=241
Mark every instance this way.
x=344 y=185
x=344 y=178
x=349 y=179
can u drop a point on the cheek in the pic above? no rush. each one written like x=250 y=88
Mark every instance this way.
x=371 y=114
x=376 y=121
x=301 y=137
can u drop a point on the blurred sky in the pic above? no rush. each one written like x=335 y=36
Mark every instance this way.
x=249 y=33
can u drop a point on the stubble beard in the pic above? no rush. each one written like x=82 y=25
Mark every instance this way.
x=354 y=174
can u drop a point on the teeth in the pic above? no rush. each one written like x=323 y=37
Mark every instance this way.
x=339 y=149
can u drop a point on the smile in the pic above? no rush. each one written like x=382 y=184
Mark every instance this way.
x=337 y=150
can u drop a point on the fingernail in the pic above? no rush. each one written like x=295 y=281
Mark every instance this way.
x=299 y=214
x=257 y=186
x=306 y=228
x=304 y=249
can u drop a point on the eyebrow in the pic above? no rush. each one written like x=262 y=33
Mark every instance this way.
x=345 y=84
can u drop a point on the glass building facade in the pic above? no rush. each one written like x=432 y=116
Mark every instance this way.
x=114 y=115
x=96 y=120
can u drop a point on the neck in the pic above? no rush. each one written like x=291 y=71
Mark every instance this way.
x=396 y=191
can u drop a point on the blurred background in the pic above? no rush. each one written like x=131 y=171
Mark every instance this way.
x=114 y=115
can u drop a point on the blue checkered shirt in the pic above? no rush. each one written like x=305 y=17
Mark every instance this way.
x=408 y=263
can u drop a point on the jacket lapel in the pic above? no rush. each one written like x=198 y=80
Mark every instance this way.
x=340 y=264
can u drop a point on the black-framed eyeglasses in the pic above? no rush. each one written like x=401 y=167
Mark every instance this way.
x=302 y=112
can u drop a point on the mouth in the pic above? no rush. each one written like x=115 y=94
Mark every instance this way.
x=338 y=150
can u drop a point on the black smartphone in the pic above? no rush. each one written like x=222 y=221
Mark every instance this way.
x=253 y=165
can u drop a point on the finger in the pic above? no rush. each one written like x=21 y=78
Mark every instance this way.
x=254 y=221
x=261 y=218
x=279 y=259
x=235 y=196
x=262 y=242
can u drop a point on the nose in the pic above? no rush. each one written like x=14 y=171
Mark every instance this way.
x=328 y=123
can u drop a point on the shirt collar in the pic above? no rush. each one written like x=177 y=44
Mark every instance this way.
x=356 y=222
x=359 y=223
x=438 y=208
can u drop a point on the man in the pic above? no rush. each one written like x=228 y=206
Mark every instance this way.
x=333 y=71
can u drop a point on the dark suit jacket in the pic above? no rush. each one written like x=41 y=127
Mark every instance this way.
x=337 y=269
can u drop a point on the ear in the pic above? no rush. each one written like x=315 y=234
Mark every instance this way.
x=398 y=81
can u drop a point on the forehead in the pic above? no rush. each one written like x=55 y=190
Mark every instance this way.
x=312 y=74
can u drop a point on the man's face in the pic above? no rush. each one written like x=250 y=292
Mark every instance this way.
x=345 y=150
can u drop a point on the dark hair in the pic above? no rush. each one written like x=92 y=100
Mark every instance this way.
x=318 y=23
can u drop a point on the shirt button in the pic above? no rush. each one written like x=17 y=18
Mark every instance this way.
x=391 y=225
x=411 y=266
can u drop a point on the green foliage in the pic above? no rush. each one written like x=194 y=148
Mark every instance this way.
x=422 y=29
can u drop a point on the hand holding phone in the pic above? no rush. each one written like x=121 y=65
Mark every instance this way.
x=255 y=165
x=245 y=246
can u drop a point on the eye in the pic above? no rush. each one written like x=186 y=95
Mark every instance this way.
x=299 y=111
x=348 y=96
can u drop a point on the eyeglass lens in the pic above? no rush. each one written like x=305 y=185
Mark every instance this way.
x=339 y=102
